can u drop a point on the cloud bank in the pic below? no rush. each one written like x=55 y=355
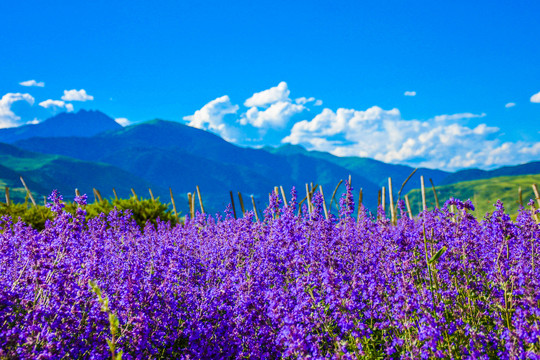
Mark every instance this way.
x=445 y=141
x=272 y=95
x=56 y=104
x=442 y=142
x=7 y=116
x=122 y=121
x=211 y=117
x=272 y=108
x=76 y=95
x=32 y=83
x=535 y=98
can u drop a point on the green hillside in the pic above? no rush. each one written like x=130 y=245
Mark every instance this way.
x=44 y=173
x=374 y=170
x=483 y=193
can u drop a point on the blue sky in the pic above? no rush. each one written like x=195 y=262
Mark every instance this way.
x=330 y=75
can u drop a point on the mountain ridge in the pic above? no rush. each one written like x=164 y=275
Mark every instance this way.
x=184 y=157
x=168 y=154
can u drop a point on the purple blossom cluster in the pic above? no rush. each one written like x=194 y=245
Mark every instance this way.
x=289 y=286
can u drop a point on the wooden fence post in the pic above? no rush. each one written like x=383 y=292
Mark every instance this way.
x=98 y=194
x=200 y=199
x=383 y=199
x=134 y=194
x=408 y=204
x=232 y=204
x=241 y=204
x=283 y=195
x=536 y=194
x=435 y=194
x=392 y=210
x=255 y=208
x=360 y=199
x=334 y=195
x=308 y=195
x=173 y=204
x=323 y=203
x=189 y=196
x=28 y=192
x=405 y=183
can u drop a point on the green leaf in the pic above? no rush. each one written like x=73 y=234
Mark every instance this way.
x=436 y=257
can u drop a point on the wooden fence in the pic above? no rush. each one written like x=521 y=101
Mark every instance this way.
x=310 y=192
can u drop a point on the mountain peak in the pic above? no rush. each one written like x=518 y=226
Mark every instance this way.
x=83 y=123
x=287 y=149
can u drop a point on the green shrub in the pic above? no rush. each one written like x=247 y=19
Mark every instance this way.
x=34 y=216
x=141 y=210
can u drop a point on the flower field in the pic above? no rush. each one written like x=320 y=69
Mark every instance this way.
x=442 y=285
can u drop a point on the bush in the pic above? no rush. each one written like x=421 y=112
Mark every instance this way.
x=142 y=211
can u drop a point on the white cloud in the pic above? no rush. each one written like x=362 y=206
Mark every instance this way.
x=7 y=116
x=277 y=115
x=52 y=103
x=76 y=95
x=56 y=104
x=122 y=121
x=211 y=116
x=33 y=122
x=304 y=100
x=509 y=105
x=535 y=98
x=269 y=96
x=442 y=142
x=446 y=141
x=410 y=93
x=530 y=149
x=278 y=107
x=460 y=116
x=32 y=83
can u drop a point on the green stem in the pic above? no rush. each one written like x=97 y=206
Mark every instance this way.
x=427 y=263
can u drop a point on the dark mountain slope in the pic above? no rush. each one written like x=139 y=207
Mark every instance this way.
x=377 y=171
x=174 y=155
x=83 y=123
x=43 y=173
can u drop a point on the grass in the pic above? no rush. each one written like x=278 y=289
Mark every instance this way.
x=483 y=193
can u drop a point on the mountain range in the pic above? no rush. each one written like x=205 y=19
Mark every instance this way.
x=88 y=150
